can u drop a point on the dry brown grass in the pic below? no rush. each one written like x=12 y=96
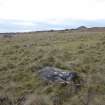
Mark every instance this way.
x=22 y=56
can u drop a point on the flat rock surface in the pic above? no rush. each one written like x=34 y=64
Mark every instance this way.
x=53 y=74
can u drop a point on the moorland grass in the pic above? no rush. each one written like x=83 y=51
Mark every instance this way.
x=21 y=57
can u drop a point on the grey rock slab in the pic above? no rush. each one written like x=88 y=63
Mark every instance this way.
x=53 y=74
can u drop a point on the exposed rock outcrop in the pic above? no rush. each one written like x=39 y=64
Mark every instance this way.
x=55 y=75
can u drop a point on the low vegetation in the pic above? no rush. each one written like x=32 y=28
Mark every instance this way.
x=21 y=56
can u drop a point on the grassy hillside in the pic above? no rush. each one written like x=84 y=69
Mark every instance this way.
x=23 y=55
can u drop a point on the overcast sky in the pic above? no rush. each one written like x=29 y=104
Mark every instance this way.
x=30 y=15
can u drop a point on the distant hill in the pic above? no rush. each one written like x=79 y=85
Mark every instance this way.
x=93 y=29
x=81 y=28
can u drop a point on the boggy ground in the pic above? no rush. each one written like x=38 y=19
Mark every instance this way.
x=21 y=56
